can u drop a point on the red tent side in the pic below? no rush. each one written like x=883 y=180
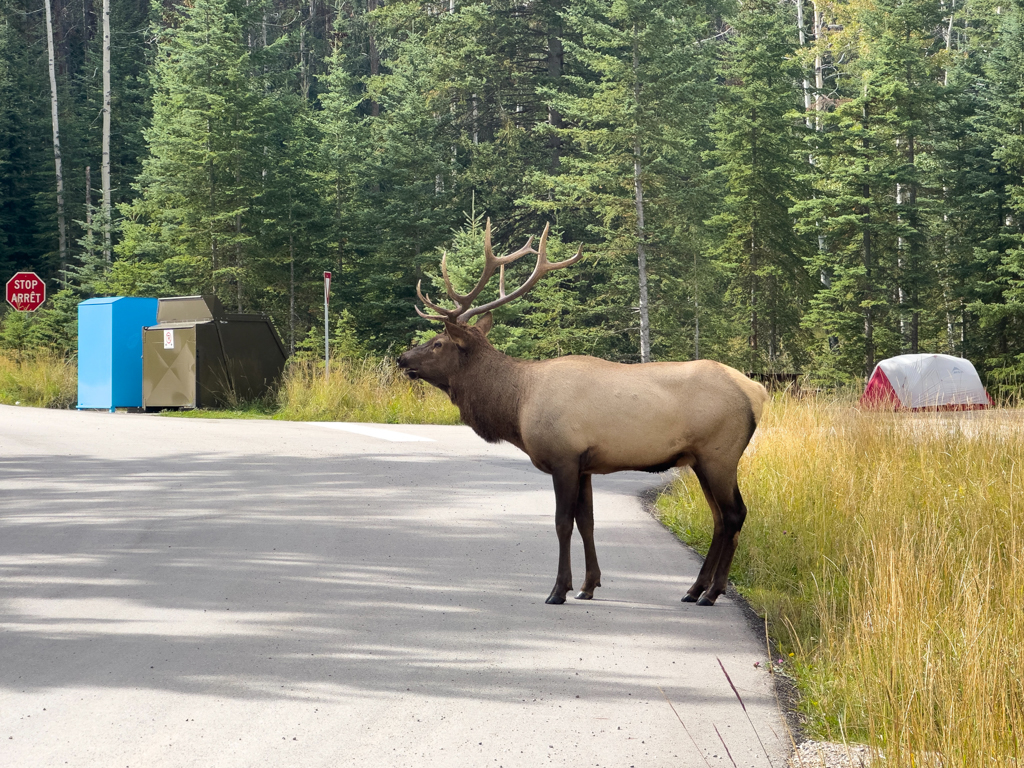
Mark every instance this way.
x=879 y=392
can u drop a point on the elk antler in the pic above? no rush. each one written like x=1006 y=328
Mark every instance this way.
x=464 y=309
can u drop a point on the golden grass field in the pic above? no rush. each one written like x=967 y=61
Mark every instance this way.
x=372 y=390
x=40 y=379
x=887 y=552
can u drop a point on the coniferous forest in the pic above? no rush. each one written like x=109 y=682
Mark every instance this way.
x=783 y=186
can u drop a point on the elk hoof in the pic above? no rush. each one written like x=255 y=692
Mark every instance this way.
x=585 y=596
x=705 y=600
x=688 y=598
x=555 y=599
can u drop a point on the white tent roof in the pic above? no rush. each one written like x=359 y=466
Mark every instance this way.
x=928 y=381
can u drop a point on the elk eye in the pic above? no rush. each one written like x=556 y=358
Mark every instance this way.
x=437 y=345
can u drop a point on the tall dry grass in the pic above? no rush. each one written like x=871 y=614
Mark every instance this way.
x=40 y=379
x=888 y=554
x=372 y=390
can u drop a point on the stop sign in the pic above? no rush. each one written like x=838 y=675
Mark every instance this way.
x=26 y=292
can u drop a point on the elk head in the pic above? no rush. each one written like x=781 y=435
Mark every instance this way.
x=441 y=358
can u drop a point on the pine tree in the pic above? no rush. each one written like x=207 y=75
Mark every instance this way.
x=55 y=128
x=194 y=220
x=757 y=159
x=1003 y=313
x=290 y=257
x=968 y=236
x=130 y=107
x=28 y=231
x=870 y=206
x=632 y=105
x=408 y=198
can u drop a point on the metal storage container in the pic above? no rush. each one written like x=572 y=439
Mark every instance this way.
x=110 y=351
x=199 y=356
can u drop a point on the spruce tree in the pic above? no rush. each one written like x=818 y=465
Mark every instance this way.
x=871 y=205
x=194 y=220
x=1003 y=313
x=634 y=107
x=757 y=159
x=968 y=234
x=28 y=226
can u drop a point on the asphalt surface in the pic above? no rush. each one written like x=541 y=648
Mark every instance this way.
x=185 y=592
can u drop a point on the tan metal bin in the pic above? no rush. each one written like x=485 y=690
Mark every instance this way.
x=199 y=356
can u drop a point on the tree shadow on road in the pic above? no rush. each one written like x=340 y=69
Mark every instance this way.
x=269 y=577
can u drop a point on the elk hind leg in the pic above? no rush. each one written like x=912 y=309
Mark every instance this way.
x=734 y=512
x=723 y=496
x=707 y=571
x=567 y=492
x=585 y=524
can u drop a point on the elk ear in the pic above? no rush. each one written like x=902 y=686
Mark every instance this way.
x=485 y=323
x=457 y=332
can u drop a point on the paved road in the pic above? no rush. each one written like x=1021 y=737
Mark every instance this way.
x=251 y=593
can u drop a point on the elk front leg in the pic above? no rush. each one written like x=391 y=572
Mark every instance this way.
x=585 y=525
x=567 y=491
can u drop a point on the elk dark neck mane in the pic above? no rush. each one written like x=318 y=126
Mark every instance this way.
x=488 y=391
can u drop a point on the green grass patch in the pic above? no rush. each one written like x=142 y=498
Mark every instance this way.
x=887 y=552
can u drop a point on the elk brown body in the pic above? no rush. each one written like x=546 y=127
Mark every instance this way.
x=578 y=416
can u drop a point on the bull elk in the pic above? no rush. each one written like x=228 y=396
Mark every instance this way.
x=578 y=416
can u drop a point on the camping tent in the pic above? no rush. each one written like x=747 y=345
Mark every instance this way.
x=938 y=382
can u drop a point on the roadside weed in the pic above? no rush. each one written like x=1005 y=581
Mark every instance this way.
x=887 y=552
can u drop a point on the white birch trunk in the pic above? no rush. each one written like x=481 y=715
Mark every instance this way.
x=803 y=42
x=641 y=252
x=949 y=40
x=105 y=166
x=696 y=310
x=61 y=228
x=641 y=259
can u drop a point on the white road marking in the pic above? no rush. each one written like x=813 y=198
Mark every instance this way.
x=381 y=434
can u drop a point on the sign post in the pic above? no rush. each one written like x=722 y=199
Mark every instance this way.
x=26 y=292
x=327 y=326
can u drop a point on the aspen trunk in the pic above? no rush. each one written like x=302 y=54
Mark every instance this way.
x=291 y=294
x=755 y=363
x=869 y=329
x=803 y=42
x=88 y=199
x=371 y=6
x=105 y=166
x=641 y=235
x=303 y=70
x=238 y=260
x=61 y=227
x=641 y=259
x=696 y=310
x=869 y=326
x=949 y=40
x=819 y=105
x=291 y=277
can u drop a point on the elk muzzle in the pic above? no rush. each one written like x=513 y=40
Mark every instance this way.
x=405 y=364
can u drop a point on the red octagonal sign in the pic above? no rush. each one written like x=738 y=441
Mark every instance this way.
x=26 y=292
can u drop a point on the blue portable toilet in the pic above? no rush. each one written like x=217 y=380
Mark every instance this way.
x=110 y=351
